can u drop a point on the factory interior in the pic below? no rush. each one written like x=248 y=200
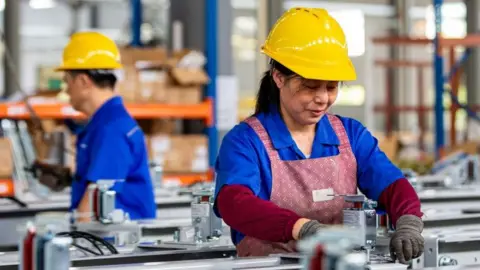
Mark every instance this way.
x=240 y=134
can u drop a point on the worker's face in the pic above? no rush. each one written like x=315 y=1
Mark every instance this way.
x=78 y=88
x=306 y=101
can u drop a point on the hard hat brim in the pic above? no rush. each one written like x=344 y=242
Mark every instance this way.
x=343 y=70
x=67 y=68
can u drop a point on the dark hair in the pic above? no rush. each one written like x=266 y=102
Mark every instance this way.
x=269 y=94
x=101 y=78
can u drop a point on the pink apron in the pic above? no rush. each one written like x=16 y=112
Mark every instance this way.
x=294 y=181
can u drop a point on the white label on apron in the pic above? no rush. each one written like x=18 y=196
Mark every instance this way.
x=322 y=195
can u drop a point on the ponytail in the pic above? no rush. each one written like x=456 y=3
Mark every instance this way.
x=269 y=94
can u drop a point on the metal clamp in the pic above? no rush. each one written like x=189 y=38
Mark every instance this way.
x=102 y=202
x=363 y=218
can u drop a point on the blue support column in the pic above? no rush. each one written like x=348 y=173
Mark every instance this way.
x=136 y=22
x=211 y=10
x=439 y=81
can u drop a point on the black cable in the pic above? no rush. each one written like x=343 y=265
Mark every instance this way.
x=93 y=239
x=94 y=242
x=98 y=239
x=17 y=201
x=76 y=236
x=86 y=250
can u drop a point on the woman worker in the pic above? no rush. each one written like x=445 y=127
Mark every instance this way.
x=276 y=170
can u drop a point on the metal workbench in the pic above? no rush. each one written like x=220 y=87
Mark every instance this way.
x=266 y=263
x=459 y=198
x=174 y=211
x=10 y=261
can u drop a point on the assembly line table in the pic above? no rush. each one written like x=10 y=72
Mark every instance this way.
x=171 y=208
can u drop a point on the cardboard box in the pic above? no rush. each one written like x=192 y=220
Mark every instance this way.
x=149 y=76
x=163 y=126
x=185 y=85
x=160 y=126
x=136 y=86
x=127 y=83
x=152 y=85
x=389 y=145
x=48 y=78
x=189 y=76
x=179 y=153
x=6 y=159
x=131 y=56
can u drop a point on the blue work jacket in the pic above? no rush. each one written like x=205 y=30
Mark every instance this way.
x=112 y=146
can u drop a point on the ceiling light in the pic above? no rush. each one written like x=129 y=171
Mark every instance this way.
x=42 y=4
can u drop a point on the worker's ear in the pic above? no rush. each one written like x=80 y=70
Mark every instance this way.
x=84 y=81
x=278 y=78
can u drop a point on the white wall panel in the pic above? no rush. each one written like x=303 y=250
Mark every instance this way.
x=44 y=33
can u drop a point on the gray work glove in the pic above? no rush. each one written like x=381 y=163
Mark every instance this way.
x=310 y=228
x=407 y=241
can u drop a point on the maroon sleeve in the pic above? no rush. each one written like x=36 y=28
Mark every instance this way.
x=399 y=199
x=252 y=216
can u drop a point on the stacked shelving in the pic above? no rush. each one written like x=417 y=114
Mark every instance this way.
x=440 y=44
x=202 y=111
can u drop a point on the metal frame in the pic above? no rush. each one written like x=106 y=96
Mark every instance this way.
x=452 y=76
x=211 y=14
x=439 y=77
x=457 y=249
x=136 y=22
x=439 y=82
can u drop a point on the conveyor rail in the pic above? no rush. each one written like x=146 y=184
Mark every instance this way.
x=142 y=258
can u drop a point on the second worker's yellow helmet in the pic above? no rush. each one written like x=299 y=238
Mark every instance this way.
x=312 y=44
x=90 y=50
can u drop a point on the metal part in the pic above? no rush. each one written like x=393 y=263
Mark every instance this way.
x=29 y=154
x=353 y=198
x=107 y=205
x=57 y=253
x=384 y=225
x=41 y=249
x=462 y=168
x=362 y=218
x=26 y=139
x=451 y=248
x=206 y=226
x=447 y=261
x=149 y=260
x=452 y=172
x=109 y=223
x=156 y=172
x=19 y=175
x=41 y=239
x=332 y=249
x=118 y=234
x=433 y=182
x=102 y=203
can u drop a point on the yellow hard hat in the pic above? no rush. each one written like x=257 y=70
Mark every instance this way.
x=311 y=43
x=90 y=50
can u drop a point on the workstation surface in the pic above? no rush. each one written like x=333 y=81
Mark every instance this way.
x=173 y=210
